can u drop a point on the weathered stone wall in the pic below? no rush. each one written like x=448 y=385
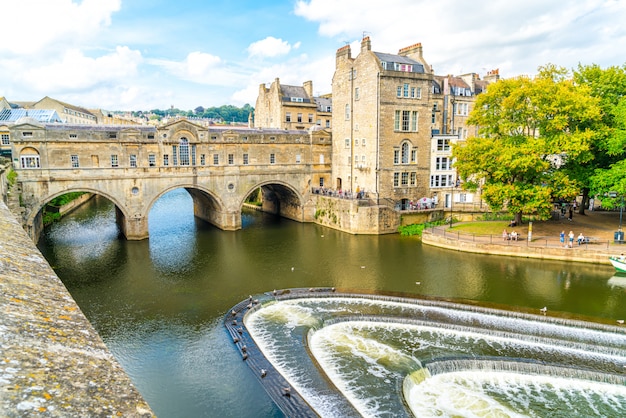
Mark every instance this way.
x=54 y=364
x=4 y=168
x=410 y=218
x=355 y=217
x=135 y=166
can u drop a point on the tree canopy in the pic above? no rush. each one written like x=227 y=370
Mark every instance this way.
x=528 y=128
x=225 y=113
x=606 y=171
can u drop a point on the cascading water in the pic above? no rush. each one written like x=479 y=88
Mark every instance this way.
x=403 y=357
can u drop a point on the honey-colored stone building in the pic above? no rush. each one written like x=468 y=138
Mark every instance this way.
x=394 y=122
x=283 y=106
x=382 y=123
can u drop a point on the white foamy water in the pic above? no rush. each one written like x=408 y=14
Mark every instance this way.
x=503 y=394
x=367 y=348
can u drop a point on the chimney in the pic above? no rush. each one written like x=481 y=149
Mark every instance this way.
x=492 y=76
x=415 y=52
x=343 y=53
x=308 y=88
x=415 y=49
x=366 y=44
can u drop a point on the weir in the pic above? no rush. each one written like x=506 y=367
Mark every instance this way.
x=362 y=347
x=520 y=366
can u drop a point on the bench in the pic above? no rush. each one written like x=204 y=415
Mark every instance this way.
x=588 y=240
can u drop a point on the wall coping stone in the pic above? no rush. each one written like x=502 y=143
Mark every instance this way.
x=52 y=361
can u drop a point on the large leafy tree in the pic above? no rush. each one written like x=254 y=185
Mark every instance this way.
x=606 y=172
x=528 y=127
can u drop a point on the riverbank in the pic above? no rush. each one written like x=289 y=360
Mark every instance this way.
x=544 y=241
x=53 y=361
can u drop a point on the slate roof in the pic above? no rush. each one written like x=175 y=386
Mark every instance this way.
x=323 y=103
x=293 y=91
x=417 y=67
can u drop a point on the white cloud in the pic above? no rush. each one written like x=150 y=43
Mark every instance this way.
x=71 y=49
x=320 y=71
x=199 y=64
x=203 y=68
x=270 y=47
x=36 y=25
x=75 y=71
x=460 y=36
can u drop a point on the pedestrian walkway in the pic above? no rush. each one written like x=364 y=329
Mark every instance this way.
x=598 y=227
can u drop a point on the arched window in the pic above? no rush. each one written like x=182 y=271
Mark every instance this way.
x=405 y=152
x=29 y=158
x=183 y=151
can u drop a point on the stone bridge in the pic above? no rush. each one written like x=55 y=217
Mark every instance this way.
x=133 y=166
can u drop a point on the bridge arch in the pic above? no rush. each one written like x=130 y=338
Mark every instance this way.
x=34 y=219
x=207 y=205
x=279 y=198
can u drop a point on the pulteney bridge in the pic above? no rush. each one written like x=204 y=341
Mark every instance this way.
x=135 y=165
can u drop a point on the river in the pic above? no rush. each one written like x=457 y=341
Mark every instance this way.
x=158 y=304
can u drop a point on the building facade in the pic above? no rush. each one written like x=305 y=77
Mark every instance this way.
x=381 y=123
x=69 y=113
x=394 y=123
x=291 y=107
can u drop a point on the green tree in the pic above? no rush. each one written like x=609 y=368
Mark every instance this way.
x=606 y=171
x=528 y=127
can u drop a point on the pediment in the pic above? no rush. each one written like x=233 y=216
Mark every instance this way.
x=32 y=126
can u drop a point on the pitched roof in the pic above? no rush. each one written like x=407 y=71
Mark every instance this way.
x=399 y=59
x=66 y=105
x=40 y=115
x=293 y=91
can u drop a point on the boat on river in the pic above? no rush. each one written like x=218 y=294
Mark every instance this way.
x=619 y=263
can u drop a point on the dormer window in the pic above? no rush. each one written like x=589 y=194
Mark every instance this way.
x=297 y=99
x=407 y=68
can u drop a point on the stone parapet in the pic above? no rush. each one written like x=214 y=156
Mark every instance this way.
x=52 y=361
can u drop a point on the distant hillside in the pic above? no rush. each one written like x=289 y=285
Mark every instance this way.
x=225 y=113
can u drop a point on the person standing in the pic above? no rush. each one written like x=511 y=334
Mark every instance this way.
x=571 y=239
x=562 y=236
x=570 y=214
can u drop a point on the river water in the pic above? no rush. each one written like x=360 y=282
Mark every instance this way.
x=159 y=304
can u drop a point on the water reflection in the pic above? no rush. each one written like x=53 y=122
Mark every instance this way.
x=158 y=303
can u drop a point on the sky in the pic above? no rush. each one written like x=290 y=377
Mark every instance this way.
x=157 y=54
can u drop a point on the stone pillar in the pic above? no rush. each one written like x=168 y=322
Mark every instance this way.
x=134 y=229
x=231 y=221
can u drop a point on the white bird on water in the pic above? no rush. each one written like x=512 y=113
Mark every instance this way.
x=293 y=268
x=543 y=310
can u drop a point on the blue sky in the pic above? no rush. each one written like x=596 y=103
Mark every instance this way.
x=149 y=54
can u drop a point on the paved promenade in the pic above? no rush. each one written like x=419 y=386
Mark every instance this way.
x=545 y=243
x=52 y=361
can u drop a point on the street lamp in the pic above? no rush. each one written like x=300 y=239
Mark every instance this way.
x=451 y=203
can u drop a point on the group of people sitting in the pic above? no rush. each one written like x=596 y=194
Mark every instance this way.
x=513 y=236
